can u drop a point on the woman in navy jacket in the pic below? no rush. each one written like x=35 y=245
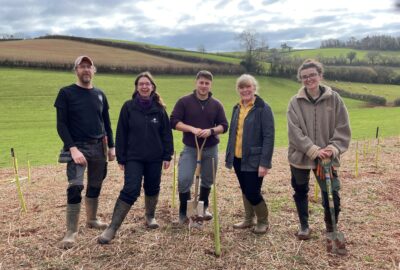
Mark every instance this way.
x=249 y=151
x=144 y=146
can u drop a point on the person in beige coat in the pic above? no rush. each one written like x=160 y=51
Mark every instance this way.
x=318 y=127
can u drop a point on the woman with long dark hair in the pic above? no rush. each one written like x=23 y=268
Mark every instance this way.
x=144 y=146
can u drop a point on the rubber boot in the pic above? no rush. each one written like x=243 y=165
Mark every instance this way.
x=261 y=211
x=121 y=209
x=183 y=219
x=72 y=220
x=150 y=203
x=204 y=194
x=91 y=212
x=304 y=232
x=248 y=215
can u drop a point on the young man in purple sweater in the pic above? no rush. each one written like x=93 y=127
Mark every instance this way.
x=198 y=114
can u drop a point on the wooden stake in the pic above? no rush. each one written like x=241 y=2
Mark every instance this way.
x=217 y=239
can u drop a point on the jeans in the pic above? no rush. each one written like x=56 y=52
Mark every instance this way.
x=187 y=167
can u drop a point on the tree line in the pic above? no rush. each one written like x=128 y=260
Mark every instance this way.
x=378 y=42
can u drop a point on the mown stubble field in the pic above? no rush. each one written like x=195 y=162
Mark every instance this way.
x=369 y=219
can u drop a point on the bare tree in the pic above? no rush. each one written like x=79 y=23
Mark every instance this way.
x=201 y=48
x=251 y=42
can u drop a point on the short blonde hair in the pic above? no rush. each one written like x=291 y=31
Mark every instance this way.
x=245 y=80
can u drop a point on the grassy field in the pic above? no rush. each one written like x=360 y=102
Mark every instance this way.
x=27 y=115
x=65 y=51
x=211 y=56
x=390 y=92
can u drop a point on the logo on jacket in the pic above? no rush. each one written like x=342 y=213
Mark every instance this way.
x=154 y=120
x=100 y=98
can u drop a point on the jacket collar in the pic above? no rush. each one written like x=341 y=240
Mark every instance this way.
x=195 y=96
x=301 y=94
x=258 y=102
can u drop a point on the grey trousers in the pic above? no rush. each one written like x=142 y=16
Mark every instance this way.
x=187 y=167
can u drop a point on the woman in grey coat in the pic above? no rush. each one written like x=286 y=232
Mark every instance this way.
x=318 y=128
x=249 y=151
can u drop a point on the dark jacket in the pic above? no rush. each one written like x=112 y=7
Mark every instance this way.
x=190 y=111
x=143 y=135
x=258 y=137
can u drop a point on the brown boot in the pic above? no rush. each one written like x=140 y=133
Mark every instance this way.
x=121 y=209
x=261 y=211
x=248 y=215
x=91 y=212
x=150 y=203
x=73 y=211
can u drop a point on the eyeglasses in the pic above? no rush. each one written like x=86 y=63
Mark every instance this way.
x=310 y=76
x=145 y=84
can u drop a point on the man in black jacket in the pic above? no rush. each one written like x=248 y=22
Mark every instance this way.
x=83 y=124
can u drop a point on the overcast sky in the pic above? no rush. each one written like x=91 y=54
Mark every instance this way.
x=213 y=24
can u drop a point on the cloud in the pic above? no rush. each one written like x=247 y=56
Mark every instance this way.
x=188 y=24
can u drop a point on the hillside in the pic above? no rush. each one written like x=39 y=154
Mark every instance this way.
x=219 y=57
x=65 y=51
x=59 y=53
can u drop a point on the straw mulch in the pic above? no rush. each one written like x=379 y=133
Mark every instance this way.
x=370 y=219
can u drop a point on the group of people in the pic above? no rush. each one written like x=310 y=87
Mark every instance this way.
x=318 y=128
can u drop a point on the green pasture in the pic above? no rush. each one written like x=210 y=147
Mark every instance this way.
x=211 y=56
x=28 y=120
x=390 y=92
x=331 y=52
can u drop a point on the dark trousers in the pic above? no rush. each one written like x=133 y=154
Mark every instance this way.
x=250 y=183
x=300 y=183
x=135 y=171
x=96 y=172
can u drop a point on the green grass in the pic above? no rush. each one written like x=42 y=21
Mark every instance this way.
x=390 y=92
x=28 y=120
x=331 y=52
x=211 y=56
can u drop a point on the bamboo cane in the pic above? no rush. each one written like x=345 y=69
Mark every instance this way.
x=316 y=190
x=217 y=239
x=19 y=191
x=364 y=149
x=29 y=172
x=174 y=182
x=377 y=154
x=356 y=163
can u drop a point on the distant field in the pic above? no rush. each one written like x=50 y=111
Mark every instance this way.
x=27 y=115
x=390 y=92
x=65 y=51
x=331 y=52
